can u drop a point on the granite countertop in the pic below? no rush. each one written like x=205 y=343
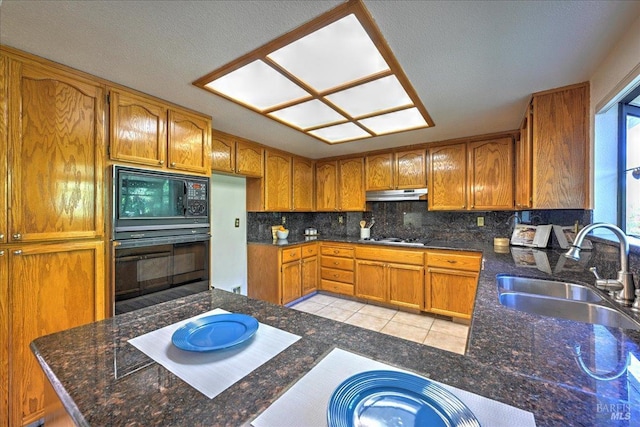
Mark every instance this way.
x=517 y=358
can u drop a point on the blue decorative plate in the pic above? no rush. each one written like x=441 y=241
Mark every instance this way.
x=391 y=398
x=215 y=332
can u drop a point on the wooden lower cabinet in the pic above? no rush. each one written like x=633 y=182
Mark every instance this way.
x=337 y=268
x=451 y=282
x=50 y=288
x=393 y=276
x=281 y=274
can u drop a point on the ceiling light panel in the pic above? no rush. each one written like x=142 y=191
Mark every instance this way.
x=259 y=86
x=340 y=133
x=308 y=114
x=379 y=95
x=395 y=122
x=335 y=55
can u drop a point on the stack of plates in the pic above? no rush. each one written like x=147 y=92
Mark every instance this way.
x=215 y=332
x=391 y=398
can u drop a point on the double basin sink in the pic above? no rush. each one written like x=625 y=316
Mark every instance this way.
x=562 y=300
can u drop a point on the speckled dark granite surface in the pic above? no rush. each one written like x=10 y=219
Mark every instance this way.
x=520 y=359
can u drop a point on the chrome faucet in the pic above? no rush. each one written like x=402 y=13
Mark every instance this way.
x=626 y=293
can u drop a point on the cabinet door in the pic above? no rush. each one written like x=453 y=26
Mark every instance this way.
x=491 y=174
x=371 y=280
x=406 y=285
x=189 y=145
x=277 y=182
x=450 y=292
x=561 y=149
x=411 y=171
x=351 y=182
x=4 y=337
x=291 y=288
x=57 y=155
x=303 y=179
x=309 y=274
x=379 y=172
x=138 y=129
x=326 y=186
x=249 y=159
x=4 y=143
x=53 y=288
x=523 y=156
x=223 y=157
x=447 y=177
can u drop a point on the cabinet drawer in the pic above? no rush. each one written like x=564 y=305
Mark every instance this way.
x=339 y=263
x=291 y=254
x=309 y=250
x=337 y=287
x=469 y=261
x=400 y=256
x=337 y=275
x=337 y=251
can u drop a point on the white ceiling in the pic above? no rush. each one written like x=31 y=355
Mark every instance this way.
x=473 y=63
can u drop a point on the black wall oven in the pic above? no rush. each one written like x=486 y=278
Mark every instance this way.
x=161 y=235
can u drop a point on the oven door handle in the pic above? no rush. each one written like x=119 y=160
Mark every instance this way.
x=141 y=257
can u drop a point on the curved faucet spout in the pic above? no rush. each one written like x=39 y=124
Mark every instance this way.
x=627 y=294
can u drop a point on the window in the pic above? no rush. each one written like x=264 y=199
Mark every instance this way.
x=629 y=164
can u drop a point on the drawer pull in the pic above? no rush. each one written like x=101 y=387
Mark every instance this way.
x=18 y=252
x=17 y=236
x=1 y=253
x=336 y=251
x=1 y=236
x=452 y=261
x=336 y=263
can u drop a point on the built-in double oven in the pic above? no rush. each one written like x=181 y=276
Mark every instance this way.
x=161 y=234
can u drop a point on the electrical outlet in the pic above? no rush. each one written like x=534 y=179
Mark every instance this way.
x=480 y=220
x=284 y=220
x=236 y=290
x=237 y=222
x=340 y=219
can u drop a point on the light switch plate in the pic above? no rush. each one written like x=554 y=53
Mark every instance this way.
x=237 y=222
x=480 y=221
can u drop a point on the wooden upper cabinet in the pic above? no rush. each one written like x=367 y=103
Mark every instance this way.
x=351 y=184
x=4 y=143
x=303 y=188
x=410 y=170
x=448 y=177
x=189 y=144
x=249 y=159
x=146 y=131
x=490 y=174
x=223 y=152
x=138 y=129
x=379 y=172
x=277 y=181
x=57 y=154
x=523 y=178
x=327 y=186
x=400 y=170
x=561 y=148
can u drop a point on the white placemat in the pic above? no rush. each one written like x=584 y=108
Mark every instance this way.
x=305 y=403
x=213 y=372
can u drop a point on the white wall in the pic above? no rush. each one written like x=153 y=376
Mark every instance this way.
x=228 y=243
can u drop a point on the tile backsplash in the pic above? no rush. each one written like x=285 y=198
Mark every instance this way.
x=409 y=220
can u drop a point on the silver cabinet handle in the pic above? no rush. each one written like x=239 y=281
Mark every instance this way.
x=1 y=236
x=1 y=253
x=18 y=252
x=161 y=162
x=173 y=164
x=17 y=236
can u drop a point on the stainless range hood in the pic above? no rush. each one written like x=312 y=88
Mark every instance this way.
x=396 y=195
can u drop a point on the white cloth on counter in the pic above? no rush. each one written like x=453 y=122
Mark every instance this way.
x=306 y=402
x=213 y=372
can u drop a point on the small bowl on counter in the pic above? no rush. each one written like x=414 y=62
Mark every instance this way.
x=282 y=235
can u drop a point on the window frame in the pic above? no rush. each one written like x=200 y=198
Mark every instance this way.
x=624 y=108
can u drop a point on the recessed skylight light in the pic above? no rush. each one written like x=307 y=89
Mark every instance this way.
x=333 y=78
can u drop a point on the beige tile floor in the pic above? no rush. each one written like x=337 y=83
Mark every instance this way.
x=420 y=328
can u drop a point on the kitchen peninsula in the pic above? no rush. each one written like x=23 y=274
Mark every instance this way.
x=520 y=359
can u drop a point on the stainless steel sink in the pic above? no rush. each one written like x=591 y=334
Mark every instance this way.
x=550 y=288
x=579 y=311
